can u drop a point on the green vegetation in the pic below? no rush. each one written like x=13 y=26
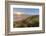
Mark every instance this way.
x=31 y=21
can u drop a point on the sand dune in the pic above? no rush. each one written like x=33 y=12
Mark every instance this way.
x=29 y=21
x=19 y=17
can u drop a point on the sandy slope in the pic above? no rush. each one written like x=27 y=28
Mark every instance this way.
x=19 y=17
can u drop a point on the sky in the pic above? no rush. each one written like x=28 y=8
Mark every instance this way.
x=27 y=11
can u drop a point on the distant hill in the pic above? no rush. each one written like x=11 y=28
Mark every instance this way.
x=31 y=21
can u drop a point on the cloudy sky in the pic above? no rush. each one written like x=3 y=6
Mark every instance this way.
x=27 y=11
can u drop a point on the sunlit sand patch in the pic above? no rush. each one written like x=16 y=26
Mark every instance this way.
x=18 y=13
